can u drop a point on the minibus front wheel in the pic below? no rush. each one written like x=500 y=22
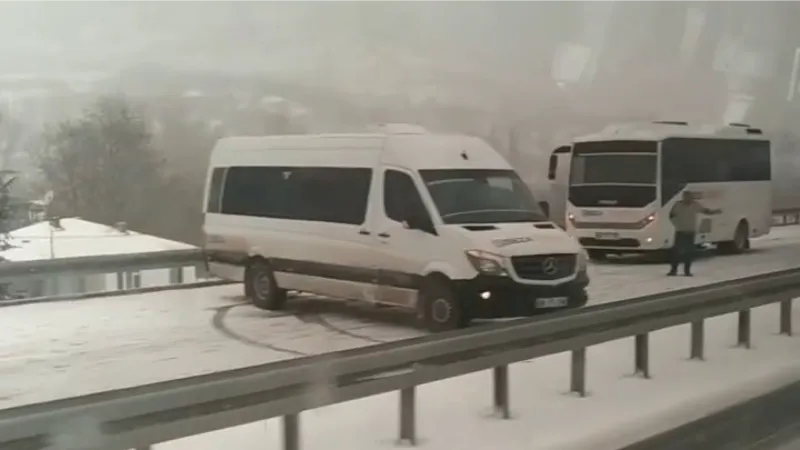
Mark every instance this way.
x=441 y=308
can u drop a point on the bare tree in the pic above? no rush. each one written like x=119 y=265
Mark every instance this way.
x=12 y=137
x=103 y=168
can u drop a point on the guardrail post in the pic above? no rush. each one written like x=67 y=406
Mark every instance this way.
x=743 y=338
x=642 y=355
x=408 y=433
x=501 y=406
x=176 y=275
x=201 y=271
x=578 y=376
x=698 y=338
x=786 y=317
x=291 y=432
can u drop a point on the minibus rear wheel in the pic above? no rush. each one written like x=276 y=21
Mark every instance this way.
x=261 y=288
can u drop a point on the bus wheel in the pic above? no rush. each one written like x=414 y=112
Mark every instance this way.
x=597 y=255
x=740 y=241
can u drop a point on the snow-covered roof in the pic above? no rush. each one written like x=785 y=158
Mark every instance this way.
x=655 y=131
x=77 y=238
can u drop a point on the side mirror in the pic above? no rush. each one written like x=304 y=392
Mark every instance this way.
x=551 y=167
x=417 y=221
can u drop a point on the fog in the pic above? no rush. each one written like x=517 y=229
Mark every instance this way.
x=387 y=48
x=526 y=76
x=373 y=48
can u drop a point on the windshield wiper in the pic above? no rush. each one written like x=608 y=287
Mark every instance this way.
x=485 y=211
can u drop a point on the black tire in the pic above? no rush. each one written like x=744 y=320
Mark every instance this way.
x=440 y=307
x=740 y=242
x=261 y=288
x=597 y=255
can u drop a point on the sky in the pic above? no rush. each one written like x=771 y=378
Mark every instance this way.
x=495 y=53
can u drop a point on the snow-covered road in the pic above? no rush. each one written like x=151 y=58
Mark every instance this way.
x=55 y=350
x=619 y=410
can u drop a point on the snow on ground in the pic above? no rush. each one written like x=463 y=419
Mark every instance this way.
x=621 y=408
x=55 y=350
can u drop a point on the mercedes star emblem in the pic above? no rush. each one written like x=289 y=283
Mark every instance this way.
x=549 y=266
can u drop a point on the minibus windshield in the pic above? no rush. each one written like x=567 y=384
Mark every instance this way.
x=481 y=196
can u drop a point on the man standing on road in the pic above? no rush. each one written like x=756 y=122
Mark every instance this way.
x=684 y=217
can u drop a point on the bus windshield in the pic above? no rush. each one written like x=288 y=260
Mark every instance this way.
x=613 y=169
x=481 y=196
x=614 y=162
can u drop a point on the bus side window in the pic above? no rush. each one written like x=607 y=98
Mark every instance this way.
x=551 y=168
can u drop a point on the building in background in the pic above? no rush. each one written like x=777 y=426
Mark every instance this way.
x=75 y=238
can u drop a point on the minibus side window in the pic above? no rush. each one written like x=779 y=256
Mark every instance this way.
x=215 y=190
x=401 y=198
x=318 y=194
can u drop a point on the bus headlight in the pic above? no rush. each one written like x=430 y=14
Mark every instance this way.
x=646 y=221
x=487 y=263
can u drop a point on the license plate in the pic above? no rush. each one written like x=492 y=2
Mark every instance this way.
x=551 y=302
x=607 y=235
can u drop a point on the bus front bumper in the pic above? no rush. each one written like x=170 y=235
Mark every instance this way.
x=622 y=241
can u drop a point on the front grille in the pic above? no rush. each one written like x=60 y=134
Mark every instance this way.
x=533 y=267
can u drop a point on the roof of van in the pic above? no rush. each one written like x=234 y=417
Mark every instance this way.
x=656 y=131
x=410 y=150
x=302 y=141
x=311 y=141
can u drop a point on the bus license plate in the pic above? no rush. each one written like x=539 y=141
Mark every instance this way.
x=607 y=235
x=551 y=302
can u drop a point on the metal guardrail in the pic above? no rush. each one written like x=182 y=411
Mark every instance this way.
x=123 y=265
x=785 y=217
x=99 y=264
x=197 y=284
x=143 y=416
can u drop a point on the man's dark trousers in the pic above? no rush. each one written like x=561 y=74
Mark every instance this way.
x=682 y=252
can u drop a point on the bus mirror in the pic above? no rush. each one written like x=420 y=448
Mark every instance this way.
x=551 y=168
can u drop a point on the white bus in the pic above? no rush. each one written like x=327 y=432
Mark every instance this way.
x=622 y=182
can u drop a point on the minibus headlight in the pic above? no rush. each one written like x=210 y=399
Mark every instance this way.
x=487 y=263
